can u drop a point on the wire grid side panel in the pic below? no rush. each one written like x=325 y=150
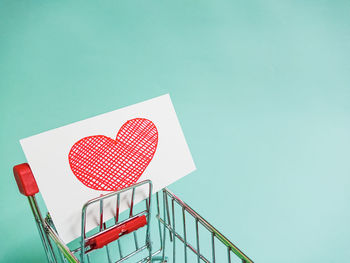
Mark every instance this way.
x=126 y=244
x=193 y=242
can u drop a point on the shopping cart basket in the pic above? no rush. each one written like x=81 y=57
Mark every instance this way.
x=119 y=239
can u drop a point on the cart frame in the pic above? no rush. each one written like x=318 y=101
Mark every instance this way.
x=57 y=251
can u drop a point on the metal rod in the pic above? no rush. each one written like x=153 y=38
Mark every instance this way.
x=131 y=214
x=101 y=215
x=41 y=224
x=174 y=229
x=117 y=209
x=120 y=249
x=148 y=208
x=185 y=235
x=213 y=246
x=159 y=224
x=48 y=221
x=168 y=216
x=164 y=228
x=108 y=254
x=83 y=234
x=197 y=238
x=39 y=227
x=61 y=246
x=116 y=221
x=132 y=202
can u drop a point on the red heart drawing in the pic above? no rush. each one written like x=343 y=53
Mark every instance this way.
x=102 y=163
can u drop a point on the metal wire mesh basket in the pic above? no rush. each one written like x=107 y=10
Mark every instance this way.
x=179 y=234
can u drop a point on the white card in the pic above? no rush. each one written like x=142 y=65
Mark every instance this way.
x=66 y=161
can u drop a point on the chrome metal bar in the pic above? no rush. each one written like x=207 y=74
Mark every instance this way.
x=197 y=239
x=108 y=254
x=120 y=249
x=132 y=202
x=148 y=229
x=159 y=224
x=131 y=214
x=41 y=231
x=185 y=234
x=174 y=229
x=168 y=216
x=41 y=224
x=164 y=228
x=117 y=209
x=116 y=221
x=49 y=222
x=83 y=233
x=61 y=245
x=135 y=240
x=213 y=246
x=101 y=215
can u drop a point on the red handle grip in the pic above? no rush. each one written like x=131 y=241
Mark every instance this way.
x=25 y=179
x=113 y=234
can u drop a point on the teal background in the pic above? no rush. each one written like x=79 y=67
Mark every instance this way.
x=261 y=88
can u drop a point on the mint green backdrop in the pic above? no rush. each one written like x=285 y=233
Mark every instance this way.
x=261 y=88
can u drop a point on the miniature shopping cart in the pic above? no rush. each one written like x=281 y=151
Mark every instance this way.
x=129 y=236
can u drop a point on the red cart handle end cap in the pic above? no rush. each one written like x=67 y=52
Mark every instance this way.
x=25 y=179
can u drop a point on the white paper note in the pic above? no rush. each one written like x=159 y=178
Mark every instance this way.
x=56 y=168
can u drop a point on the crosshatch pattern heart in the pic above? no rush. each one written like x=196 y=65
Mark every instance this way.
x=102 y=163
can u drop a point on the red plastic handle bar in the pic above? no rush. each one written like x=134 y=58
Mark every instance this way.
x=25 y=179
x=113 y=234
